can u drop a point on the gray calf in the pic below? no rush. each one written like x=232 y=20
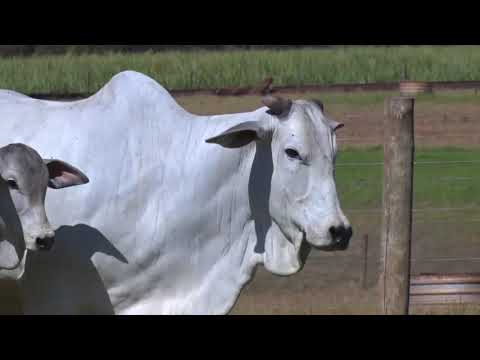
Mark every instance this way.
x=24 y=178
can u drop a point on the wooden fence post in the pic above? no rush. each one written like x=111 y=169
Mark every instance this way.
x=397 y=204
x=365 y=262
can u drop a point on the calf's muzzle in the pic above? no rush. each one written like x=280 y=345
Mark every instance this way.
x=46 y=243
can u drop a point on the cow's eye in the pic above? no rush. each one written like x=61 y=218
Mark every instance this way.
x=12 y=184
x=292 y=153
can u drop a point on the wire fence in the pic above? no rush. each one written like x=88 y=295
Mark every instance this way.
x=359 y=259
x=444 y=136
x=422 y=216
x=416 y=163
x=378 y=210
x=454 y=184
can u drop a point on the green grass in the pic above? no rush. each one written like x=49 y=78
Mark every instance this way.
x=204 y=69
x=368 y=98
x=435 y=186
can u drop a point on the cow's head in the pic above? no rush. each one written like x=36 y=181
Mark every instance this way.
x=24 y=178
x=303 y=200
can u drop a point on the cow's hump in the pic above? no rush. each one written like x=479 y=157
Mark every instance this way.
x=127 y=86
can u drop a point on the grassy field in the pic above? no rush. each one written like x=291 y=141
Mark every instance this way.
x=207 y=69
x=443 y=97
x=439 y=181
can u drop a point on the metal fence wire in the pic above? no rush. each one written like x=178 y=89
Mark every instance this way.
x=361 y=255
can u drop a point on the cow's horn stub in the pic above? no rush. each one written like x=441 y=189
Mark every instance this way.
x=278 y=106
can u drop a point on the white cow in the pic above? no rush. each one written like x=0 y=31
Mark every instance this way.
x=24 y=178
x=175 y=224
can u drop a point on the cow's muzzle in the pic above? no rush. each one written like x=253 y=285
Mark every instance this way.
x=46 y=243
x=341 y=236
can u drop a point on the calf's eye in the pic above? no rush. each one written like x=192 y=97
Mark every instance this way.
x=292 y=153
x=12 y=184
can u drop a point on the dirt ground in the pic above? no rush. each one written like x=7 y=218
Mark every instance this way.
x=436 y=125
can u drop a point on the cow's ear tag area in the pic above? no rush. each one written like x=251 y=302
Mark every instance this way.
x=63 y=175
x=239 y=136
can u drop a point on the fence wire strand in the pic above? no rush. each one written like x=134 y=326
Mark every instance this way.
x=416 y=163
x=419 y=211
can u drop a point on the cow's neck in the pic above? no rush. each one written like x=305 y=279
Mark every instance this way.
x=247 y=231
x=237 y=218
x=250 y=220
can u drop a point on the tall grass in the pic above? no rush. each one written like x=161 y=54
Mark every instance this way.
x=205 y=69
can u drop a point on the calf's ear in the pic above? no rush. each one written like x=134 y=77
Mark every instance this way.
x=240 y=135
x=63 y=175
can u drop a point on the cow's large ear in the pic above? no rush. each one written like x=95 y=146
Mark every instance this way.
x=63 y=175
x=240 y=135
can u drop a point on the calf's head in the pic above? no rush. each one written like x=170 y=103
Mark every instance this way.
x=303 y=200
x=24 y=178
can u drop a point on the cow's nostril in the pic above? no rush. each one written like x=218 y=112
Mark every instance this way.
x=341 y=236
x=332 y=232
x=337 y=232
x=45 y=243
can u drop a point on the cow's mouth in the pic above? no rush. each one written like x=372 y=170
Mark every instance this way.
x=341 y=244
x=332 y=247
x=45 y=248
x=45 y=245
